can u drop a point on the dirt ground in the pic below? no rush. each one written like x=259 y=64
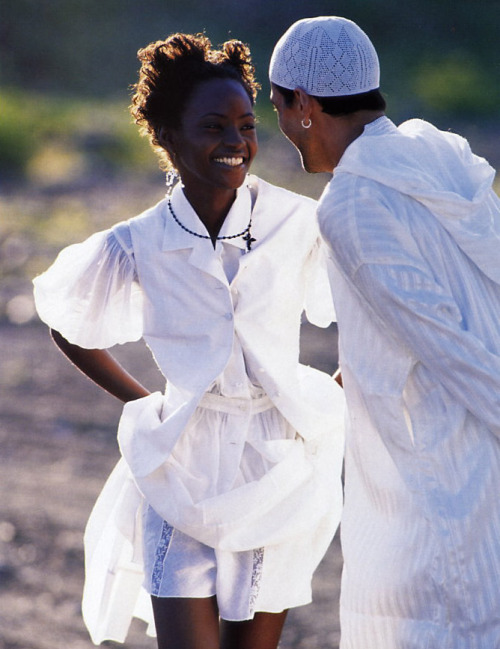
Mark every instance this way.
x=57 y=441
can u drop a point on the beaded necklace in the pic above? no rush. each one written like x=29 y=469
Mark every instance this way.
x=245 y=234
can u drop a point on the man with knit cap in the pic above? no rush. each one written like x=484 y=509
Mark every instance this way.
x=414 y=230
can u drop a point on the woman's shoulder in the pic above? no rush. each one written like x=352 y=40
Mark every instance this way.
x=283 y=210
x=146 y=222
x=149 y=216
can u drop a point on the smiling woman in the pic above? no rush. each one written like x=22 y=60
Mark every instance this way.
x=233 y=474
x=213 y=148
x=196 y=106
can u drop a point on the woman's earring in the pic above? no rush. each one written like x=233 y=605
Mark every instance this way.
x=171 y=179
x=304 y=125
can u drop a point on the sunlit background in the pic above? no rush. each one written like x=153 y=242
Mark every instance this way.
x=72 y=162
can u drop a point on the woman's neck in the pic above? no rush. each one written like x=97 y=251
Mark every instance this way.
x=211 y=208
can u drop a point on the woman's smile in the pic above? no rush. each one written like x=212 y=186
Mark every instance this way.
x=230 y=161
x=217 y=141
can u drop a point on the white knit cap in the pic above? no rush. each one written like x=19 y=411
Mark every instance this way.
x=326 y=56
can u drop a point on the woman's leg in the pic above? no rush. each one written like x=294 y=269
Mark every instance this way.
x=263 y=632
x=186 y=623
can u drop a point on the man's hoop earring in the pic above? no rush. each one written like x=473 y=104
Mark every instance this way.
x=304 y=125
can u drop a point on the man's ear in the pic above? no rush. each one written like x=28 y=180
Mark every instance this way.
x=304 y=102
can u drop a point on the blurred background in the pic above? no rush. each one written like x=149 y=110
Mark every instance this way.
x=72 y=162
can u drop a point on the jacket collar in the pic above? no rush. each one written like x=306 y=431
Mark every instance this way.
x=203 y=255
x=176 y=238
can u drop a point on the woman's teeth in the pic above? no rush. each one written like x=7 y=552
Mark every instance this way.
x=231 y=162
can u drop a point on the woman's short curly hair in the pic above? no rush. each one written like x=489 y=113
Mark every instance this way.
x=172 y=69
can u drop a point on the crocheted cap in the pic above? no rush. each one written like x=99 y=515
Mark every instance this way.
x=327 y=56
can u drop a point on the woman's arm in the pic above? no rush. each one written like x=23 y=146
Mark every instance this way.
x=100 y=366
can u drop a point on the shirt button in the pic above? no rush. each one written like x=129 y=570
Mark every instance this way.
x=228 y=316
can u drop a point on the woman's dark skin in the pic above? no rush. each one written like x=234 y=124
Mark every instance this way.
x=189 y=623
x=103 y=369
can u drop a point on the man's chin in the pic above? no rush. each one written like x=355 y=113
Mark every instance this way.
x=310 y=167
x=305 y=164
x=309 y=164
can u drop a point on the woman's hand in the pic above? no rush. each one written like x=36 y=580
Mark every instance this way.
x=100 y=366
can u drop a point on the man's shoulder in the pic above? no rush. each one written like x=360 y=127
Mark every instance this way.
x=364 y=222
x=346 y=193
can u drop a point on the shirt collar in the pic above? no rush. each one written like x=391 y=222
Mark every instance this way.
x=380 y=126
x=176 y=237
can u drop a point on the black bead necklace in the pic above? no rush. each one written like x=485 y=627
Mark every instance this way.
x=245 y=234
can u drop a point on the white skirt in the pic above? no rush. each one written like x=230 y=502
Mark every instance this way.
x=260 y=557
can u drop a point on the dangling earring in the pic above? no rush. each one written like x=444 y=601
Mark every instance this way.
x=304 y=125
x=171 y=179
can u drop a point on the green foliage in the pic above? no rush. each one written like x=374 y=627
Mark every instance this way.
x=55 y=140
x=456 y=85
x=17 y=141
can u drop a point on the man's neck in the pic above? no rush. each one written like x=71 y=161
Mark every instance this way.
x=347 y=128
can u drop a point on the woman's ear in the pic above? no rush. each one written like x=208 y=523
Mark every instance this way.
x=166 y=140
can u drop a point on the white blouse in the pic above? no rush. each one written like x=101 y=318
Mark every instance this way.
x=221 y=321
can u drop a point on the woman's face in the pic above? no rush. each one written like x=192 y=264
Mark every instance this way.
x=217 y=141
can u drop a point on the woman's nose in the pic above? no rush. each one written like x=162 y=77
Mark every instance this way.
x=233 y=136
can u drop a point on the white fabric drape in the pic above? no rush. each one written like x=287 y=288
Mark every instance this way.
x=414 y=228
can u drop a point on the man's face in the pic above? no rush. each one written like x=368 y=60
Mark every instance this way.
x=288 y=118
x=307 y=141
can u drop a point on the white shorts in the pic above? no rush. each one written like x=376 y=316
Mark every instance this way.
x=176 y=565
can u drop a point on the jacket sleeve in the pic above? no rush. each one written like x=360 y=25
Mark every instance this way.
x=90 y=294
x=318 y=302
x=381 y=260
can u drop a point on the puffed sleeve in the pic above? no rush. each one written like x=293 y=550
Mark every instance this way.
x=318 y=303
x=90 y=293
